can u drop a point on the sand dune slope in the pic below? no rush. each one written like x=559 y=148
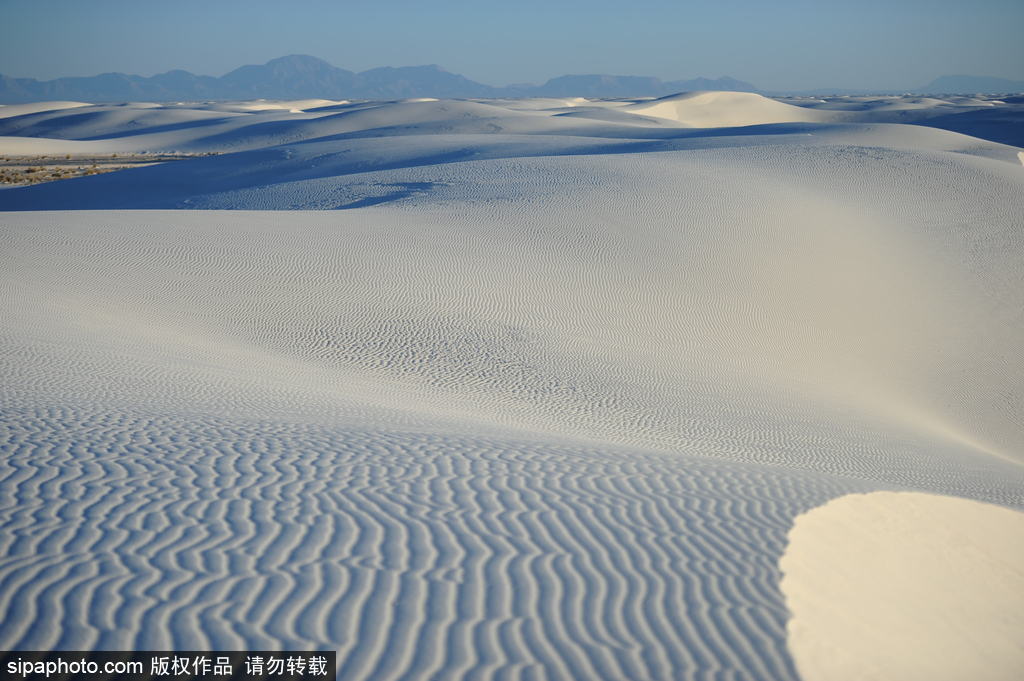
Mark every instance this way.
x=540 y=402
x=726 y=109
x=10 y=110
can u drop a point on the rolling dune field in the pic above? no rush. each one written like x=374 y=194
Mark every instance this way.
x=518 y=389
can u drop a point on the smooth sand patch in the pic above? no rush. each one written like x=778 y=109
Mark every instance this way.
x=903 y=585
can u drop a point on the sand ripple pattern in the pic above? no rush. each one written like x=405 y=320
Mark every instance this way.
x=415 y=555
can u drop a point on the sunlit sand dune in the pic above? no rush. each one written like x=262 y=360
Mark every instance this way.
x=906 y=585
x=727 y=109
x=547 y=397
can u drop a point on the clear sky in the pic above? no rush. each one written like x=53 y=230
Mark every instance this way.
x=780 y=44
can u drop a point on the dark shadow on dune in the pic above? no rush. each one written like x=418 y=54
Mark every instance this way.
x=407 y=189
x=45 y=128
x=170 y=127
x=1004 y=125
x=186 y=184
x=194 y=184
x=611 y=132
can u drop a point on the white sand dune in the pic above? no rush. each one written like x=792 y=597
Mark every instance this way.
x=294 y=104
x=901 y=585
x=726 y=109
x=544 y=400
x=44 y=146
x=11 y=110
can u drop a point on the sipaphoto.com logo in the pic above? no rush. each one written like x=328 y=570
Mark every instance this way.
x=61 y=667
x=260 y=665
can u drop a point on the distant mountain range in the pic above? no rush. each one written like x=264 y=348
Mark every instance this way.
x=302 y=76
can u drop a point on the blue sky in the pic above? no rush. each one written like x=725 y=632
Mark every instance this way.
x=786 y=44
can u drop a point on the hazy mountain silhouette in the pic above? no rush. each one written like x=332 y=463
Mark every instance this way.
x=293 y=76
x=302 y=76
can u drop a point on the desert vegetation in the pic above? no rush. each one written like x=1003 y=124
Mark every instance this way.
x=28 y=170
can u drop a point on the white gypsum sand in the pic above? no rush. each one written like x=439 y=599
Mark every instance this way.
x=903 y=585
x=541 y=399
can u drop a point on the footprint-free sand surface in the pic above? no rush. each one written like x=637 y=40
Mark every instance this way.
x=557 y=389
x=906 y=585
